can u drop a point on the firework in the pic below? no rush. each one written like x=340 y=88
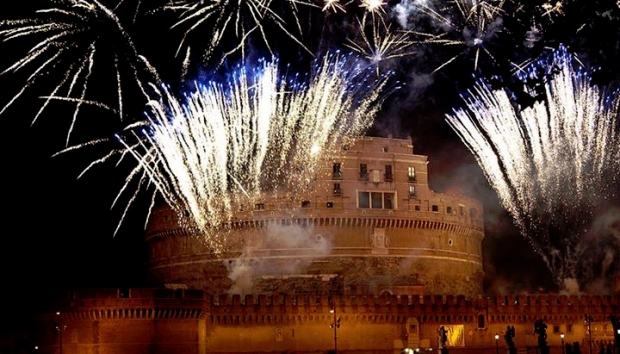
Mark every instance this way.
x=333 y=5
x=553 y=160
x=70 y=37
x=225 y=146
x=237 y=19
x=382 y=44
x=373 y=6
x=474 y=22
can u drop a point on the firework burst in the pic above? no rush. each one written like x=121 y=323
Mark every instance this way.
x=553 y=161
x=382 y=43
x=466 y=23
x=238 y=20
x=70 y=38
x=259 y=135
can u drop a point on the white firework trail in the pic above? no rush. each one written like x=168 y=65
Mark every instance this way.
x=261 y=134
x=382 y=44
x=552 y=163
x=69 y=39
x=237 y=19
x=466 y=23
x=334 y=5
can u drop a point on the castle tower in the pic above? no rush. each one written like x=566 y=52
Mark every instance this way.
x=371 y=225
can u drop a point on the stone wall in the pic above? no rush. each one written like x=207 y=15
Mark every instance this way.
x=190 y=321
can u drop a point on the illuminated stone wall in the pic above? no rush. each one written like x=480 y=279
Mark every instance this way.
x=408 y=240
x=191 y=321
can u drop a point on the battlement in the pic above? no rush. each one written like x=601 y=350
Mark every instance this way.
x=511 y=304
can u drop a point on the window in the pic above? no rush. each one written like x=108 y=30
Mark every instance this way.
x=305 y=204
x=417 y=207
x=556 y=329
x=411 y=191
x=388 y=200
x=336 y=171
x=337 y=189
x=330 y=205
x=363 y=200
x=449 y=210
x=385 y=149
x=480 y=321
x=259 y=206
x=435 y=208
x=411 y=174
x=473 y=213
x=364 y=172
x=376 y=200
x=461 y=210
x=569 y=327
x=388 y=173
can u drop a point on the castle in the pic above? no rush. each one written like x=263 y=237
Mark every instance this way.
x=370 y=225
x=372 y=261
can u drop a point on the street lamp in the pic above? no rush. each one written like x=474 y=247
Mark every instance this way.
x=562 y=338
x=496 y=343
x=61 y=328
x=335 y=325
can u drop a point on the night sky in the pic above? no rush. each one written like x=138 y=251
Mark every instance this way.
x=59 y=230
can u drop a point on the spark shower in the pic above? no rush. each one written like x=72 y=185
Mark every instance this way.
x=554 y=163
x=226 y=146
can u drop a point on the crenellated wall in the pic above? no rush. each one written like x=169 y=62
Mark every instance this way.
x=193 y=321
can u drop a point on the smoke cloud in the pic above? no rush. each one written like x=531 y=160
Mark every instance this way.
x=297 y=248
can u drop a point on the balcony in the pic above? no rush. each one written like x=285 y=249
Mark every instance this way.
x=388 y=177
x=337 y=175
x=412 y=179
x=363 y=176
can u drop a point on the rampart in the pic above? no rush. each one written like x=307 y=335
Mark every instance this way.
x=193 y=321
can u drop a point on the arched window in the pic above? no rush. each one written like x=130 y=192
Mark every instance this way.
x=480 y=321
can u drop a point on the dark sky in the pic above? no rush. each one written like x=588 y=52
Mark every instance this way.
x=59 y=229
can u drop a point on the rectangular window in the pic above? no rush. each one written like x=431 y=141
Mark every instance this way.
x=376 y=200
x=411 y=191
x=363 y=199
x=388 y=200
x=337 y=189
x=388 y=173
x=363 y=172
x=336 y=171
x=259 y=206
x=411 y=174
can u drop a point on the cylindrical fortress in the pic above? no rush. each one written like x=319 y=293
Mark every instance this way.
x=371 y=225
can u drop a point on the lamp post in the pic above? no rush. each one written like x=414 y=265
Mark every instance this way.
x=61 y=328
x=562 y=338
x=496 y=343
x=335 y=325
x=588 y=320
